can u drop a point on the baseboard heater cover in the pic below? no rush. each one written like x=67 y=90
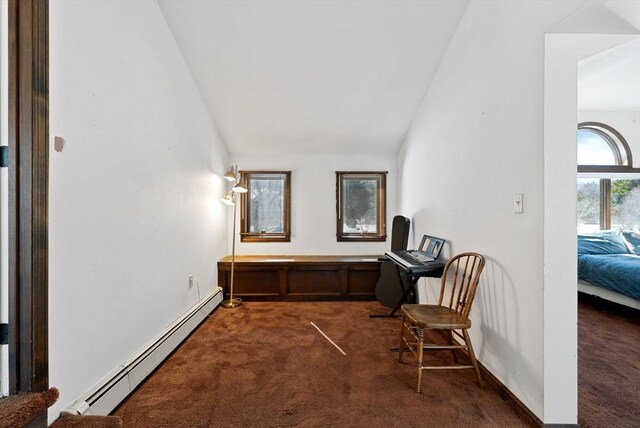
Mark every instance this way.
x=104 y=396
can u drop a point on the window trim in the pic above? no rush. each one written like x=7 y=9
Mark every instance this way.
x=245 y=235
x=624 y=164
x=381 y=206
x=617 y=144
x=605 y=204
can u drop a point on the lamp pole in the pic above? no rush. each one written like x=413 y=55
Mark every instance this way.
x=231 y=302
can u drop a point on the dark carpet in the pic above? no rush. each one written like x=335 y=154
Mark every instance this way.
x=265 y=365
x=608 y=364
x=17 y=410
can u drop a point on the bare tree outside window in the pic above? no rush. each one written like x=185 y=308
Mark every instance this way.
x=266 y=207
x=361 y=206
x=625 y=204
x=588 y=205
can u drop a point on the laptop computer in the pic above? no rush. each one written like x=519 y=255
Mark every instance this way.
x=429 y=250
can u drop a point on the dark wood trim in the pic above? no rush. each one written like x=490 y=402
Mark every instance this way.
x=28 y=194
x=600 y=128
x=301 y=278
x=612 y=169
x=264 y=237
x=560 y=425
x=381 y=206
x=605 y=203
x=362 y=172
x=506 y=393
x=245 y=212
x=14 y=361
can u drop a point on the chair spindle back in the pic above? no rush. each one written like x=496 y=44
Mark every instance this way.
x=466 y=274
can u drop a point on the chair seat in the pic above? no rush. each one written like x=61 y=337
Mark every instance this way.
x=434 y=317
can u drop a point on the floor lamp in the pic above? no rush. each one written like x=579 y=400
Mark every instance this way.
x=230 y=199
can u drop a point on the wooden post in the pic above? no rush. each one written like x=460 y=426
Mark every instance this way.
x=28 y=195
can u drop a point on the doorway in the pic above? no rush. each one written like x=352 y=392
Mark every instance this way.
x=608 y=217
x=562 y=53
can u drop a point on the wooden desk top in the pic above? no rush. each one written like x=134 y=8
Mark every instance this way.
x=280 y=259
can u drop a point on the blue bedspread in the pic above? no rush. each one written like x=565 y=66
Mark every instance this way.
x=617 y=272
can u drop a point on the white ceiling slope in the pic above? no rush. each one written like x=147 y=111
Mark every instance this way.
x=610 y=81
x=313 y=76
x=602 y=17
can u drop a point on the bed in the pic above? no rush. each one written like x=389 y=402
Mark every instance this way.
x=609 y=266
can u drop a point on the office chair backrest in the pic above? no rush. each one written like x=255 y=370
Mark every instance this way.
x=400 y=233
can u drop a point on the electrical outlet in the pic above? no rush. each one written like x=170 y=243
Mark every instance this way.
x=190 y=281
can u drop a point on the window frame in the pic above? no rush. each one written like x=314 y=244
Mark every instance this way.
x=617 y=144
x=245 y=211
x=381 y=208
x=624 y=164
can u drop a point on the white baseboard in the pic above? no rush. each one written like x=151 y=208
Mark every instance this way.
x=112 y=389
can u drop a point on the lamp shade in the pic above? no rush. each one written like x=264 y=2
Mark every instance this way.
x=231 y=174
x=239 y=188
x=229 y=199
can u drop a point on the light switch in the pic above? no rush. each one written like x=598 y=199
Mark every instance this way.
x=517 y=203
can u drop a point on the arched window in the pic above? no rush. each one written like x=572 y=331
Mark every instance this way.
x=602 y=149
x=605 y=202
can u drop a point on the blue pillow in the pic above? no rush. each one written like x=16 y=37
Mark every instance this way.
x=633 y=241
x=601 y=244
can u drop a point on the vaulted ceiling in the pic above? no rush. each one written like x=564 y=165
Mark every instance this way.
x=610 y=80
x=313 y=76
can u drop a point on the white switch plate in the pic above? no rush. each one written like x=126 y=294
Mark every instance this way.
x=517 y=203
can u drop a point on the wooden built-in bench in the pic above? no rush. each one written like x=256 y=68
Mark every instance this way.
x=299 y=278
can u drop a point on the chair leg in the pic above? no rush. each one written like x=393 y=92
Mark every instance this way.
x=467 y=340
x=401 y=347
x=453 y=351
x=420 y=355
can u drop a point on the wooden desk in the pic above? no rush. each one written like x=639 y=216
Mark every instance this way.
x=300 y=278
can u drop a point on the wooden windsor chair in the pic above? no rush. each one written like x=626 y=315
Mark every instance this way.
x=459 y=282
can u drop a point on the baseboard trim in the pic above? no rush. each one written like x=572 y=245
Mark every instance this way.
x=519 y=406
x=112 y=389
x=561 y=426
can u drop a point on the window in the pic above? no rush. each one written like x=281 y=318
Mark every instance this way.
x=266 y=207
x=588 y=206
x=361 y=206
x=595 y=149
x=605 y=202
x=602 y=149
x=625 y=204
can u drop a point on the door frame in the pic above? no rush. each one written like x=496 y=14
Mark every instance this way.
x=562 y=54
x=28 y=161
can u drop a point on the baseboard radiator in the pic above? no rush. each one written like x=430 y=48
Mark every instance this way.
x=104 y=396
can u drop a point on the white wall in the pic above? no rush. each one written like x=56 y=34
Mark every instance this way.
x=479 y=132
x=313 y=202
x=134 y=195
x=625 y=122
